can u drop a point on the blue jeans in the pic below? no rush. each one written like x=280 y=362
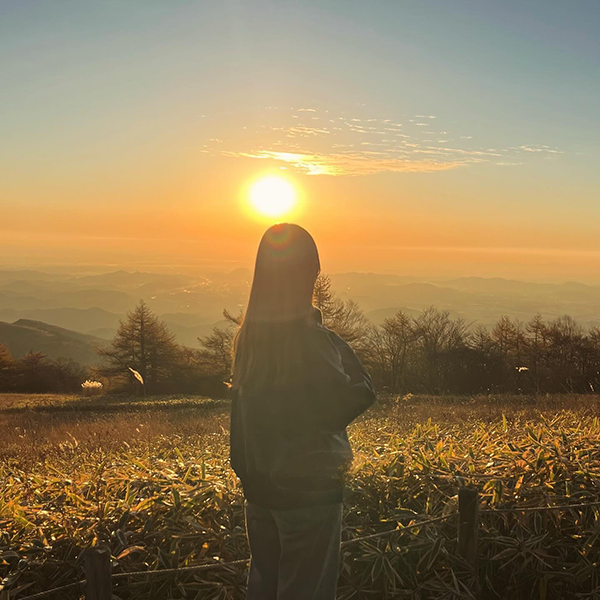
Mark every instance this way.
x=295 y=552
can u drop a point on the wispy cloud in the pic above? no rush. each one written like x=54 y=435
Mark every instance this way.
x=350 y=145
x=539 y=148
x=354 y=163
x=305 y=131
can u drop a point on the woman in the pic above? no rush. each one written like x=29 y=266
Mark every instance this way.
x=295 y=387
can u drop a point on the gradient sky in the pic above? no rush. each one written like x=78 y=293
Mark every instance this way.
x=428 y=137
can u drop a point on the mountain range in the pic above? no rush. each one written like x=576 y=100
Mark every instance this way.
x=32 y=302
x=25 y=336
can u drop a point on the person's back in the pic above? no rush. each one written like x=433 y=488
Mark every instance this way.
x=295 y=387
x=288 y=443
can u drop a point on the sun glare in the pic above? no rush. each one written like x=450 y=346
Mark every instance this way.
x=272 y=196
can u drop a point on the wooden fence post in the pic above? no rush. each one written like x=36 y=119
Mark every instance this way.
x=468 y=526
x=98 y=583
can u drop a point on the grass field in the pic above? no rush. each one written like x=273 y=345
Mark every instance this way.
x=152 y=480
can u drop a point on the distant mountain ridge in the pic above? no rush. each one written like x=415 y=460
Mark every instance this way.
x=82 y=320
x=192 y=304
x=25 y=336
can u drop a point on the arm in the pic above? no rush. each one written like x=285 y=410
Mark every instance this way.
x=345 y=388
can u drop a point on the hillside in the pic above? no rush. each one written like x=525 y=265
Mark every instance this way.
x=25 y=335
x=192 y=304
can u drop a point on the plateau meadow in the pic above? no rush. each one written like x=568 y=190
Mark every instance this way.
x=151 y=480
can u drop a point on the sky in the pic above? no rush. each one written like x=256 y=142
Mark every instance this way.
x=422 y=137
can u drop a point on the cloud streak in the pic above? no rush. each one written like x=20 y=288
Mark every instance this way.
x=350 y=145
x=350 y=163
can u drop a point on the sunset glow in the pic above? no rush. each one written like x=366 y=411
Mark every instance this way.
x=272 y=196
x=367 y=127
x=233 y=225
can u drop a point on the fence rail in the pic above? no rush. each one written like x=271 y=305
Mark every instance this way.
x=99 y=576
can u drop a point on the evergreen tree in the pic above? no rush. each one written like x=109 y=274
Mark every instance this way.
x=145 y=344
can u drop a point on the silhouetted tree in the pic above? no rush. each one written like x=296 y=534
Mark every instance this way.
x=33 y=373
x=144 y=343
x=439 y=339
x=7 y=370
x=486 y=365
x=68 y=375
x=390 y=350
x=216 y=349
x=345 y=317
x=481 y=341
x=216 y=354
x=594 y=371
x=566 y=353
x=537 y=350
x=504 y=336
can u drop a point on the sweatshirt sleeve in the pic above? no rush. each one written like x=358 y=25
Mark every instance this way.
x=344 y=388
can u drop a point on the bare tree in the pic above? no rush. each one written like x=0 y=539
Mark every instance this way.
x=537 y=349
x=481 y=341
x=503 y=335
x=567 y=344
x=390 y=350
x=216 y=355
x=440 y=338
x=345 y=317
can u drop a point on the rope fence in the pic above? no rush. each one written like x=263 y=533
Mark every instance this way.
x=232 y=563
x=62 y=588
x=398 y=530
x=99 y=576
x=516 y=509
x=483 y=477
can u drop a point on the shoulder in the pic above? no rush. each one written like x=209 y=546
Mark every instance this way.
x=331 y=337
x=320 y=333
x=329 y=350
x=323 y=335
x=324 y=344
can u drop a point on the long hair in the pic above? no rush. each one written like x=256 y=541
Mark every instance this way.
x=269 y=347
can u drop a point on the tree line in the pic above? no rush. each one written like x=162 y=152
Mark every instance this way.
x=435 y=354
x=36 y=373
x=431 y=353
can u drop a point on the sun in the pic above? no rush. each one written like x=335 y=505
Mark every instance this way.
x=272 y=196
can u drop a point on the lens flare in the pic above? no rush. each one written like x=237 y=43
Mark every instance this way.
x=272 y=196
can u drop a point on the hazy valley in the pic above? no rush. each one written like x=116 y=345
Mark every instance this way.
x=192 y=306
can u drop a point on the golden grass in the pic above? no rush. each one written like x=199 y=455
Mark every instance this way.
x=151 y=479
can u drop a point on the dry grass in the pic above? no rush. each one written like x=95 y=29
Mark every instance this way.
x=151 y=479
x=38 y=427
